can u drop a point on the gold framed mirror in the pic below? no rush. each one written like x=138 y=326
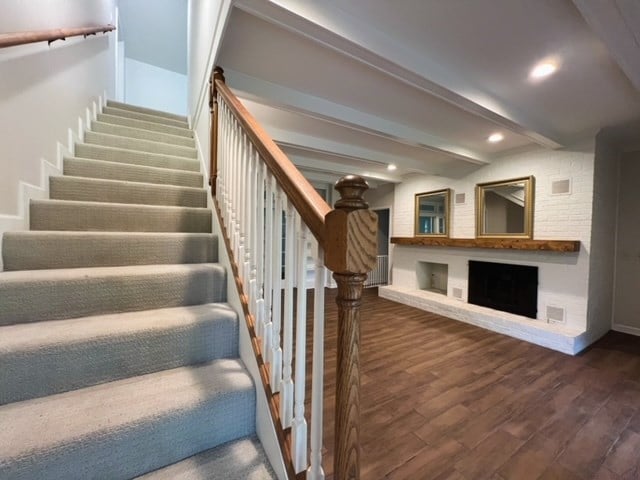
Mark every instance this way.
x=505 y=209
x=432 y=213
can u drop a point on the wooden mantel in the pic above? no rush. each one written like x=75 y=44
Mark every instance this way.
x=494 y=243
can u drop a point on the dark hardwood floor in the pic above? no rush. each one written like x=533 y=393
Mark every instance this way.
x=445 y=400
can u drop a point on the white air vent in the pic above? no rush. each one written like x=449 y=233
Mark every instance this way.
x=561 y=187
x=555 y=314
x=460 y=198
x=457 y=292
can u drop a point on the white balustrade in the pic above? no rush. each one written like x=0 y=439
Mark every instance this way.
x=271 y=246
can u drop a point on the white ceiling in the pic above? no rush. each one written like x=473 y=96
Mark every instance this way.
x=423 y=83
x=155 y=32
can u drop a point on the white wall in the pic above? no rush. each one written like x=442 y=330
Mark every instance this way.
x=153 y=87
x=155 y=32
x=626 y=316
x=603 y=237
x=563 y=278
x=44 y=90
x=18 y=15
x=207 y=20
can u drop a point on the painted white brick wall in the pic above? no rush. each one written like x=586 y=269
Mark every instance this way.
x=563 y=278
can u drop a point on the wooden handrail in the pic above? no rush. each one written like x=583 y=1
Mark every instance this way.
x=309 y=204
x=23 y=38
x=348 y=236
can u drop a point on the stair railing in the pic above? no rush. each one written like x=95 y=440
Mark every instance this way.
x=273 y=218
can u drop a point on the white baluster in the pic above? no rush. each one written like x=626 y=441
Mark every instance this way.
x=276 y=317
x=240 y=260
x=268 y=264
x=259 y=255
x=252 y=233
x=299 y=426
x=315 y=471
x=286 y=386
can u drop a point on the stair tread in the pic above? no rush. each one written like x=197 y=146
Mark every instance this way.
x=84 y=215
x=138 y=171
x=116 y=205
x=131 y=132
x=193 y=164
x=141 y=145
x=150 y=126
x=37 y=358
x=145 y=117
x=131 y=416
x=46 y=295
x=25 y=336
x=101 y=272
x=108 y=181
x=139 y=108
x=242 y=459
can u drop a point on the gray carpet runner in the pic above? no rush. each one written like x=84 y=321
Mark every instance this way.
x=118 y=353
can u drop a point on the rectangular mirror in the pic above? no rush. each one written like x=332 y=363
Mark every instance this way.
x=432 y=213
x=505 y=209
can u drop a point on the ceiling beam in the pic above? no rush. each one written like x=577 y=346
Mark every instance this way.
x=309 y=163
x=373 y=50
x=374 y=158
x=287 y=99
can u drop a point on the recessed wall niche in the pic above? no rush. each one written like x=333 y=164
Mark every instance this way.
x=432 y=277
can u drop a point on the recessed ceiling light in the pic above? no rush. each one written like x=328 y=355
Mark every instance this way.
x=543 y=69
x=391 y=167
x=495 y=138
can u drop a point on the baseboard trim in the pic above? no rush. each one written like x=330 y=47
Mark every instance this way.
x=626 y=329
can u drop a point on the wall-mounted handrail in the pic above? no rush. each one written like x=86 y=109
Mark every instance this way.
x=300 y=192
x=268 y=210
x=23 y=38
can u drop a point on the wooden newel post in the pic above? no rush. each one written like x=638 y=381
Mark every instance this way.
x=216 y=74
x=350 y=252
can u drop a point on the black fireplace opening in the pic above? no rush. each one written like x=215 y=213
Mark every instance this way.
x=505 y=287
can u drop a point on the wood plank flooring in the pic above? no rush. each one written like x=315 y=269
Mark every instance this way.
x=445 y=400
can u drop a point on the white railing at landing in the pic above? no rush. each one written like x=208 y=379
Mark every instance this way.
x=380 y=274
x=274 y=222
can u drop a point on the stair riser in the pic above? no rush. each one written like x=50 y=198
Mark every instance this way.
x=47 y=251
x=153 y=443
x=154 y=127
x=97 y=152
x=29 y=373
x=67 y=296
x=150 y=111
x=140 y=134
x=144 y=117
x=133 y=173
x=118 y=218
x=139 y=145
x=68 y=188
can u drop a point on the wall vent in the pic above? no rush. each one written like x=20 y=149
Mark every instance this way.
x=457 y=292
x=460 y=198
x=555 y=314
x=561 y=187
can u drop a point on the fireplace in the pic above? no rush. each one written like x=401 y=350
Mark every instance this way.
x=510 y=288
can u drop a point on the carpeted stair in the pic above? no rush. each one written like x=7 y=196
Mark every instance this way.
x=118 y=353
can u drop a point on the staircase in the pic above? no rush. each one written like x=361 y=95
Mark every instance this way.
x=118 y=353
